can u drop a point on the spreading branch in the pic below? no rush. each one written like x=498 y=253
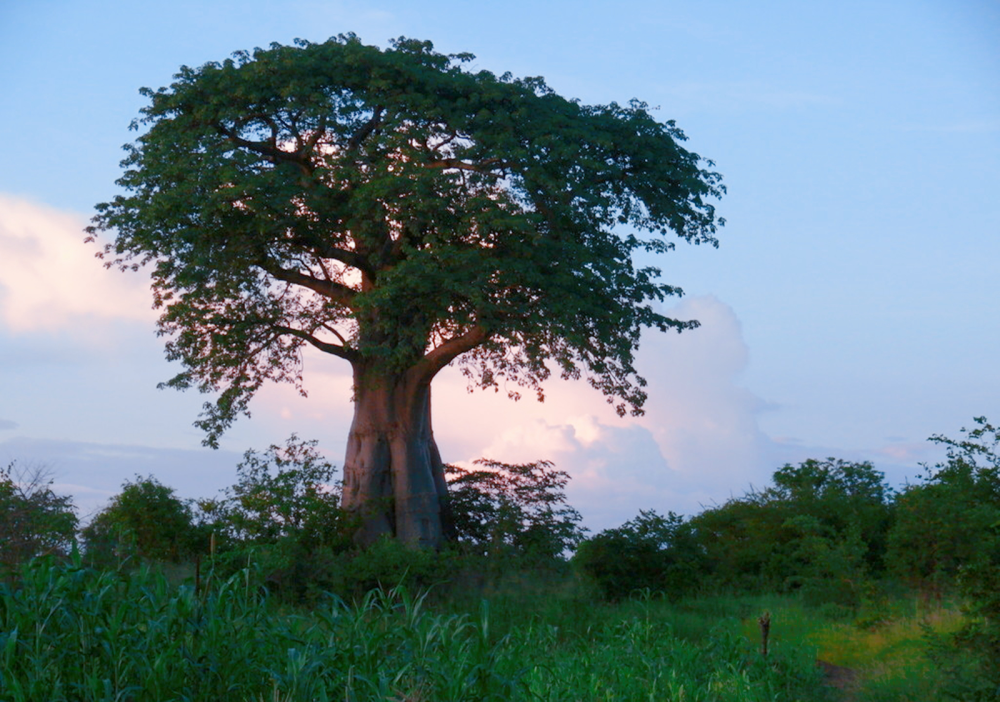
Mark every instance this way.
x=330 y=289
x=324 y=346
x=440 y=356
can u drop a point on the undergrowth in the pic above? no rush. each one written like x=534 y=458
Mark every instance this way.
x=72 y=633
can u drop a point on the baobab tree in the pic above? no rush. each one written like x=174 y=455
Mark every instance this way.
x=397 y=211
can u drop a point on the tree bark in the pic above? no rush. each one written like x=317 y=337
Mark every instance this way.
x=393 y=474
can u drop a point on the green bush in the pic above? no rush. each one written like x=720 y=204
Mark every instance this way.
x=790 y=534
x=388 y=563
x=651 y=553
x=967 y=489
x=34 y=521
x=298 y=576
x=942 y=522
x=147 y=521
x=828 y=568
x=283 y=516
x=285 y=494
x=512 y=511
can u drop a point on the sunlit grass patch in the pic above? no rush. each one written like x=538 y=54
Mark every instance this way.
x=898 y=642
x=890 y=652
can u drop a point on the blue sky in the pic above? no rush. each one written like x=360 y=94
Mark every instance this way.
x=849 y=311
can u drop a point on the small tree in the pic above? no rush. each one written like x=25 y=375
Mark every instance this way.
x=34 y=521
x=650 y=553
x=284 y=493
x=145 y=520
x=513 y=509
x=949 y=530
x=849 y=499
x=942 y=522
x=764 y=538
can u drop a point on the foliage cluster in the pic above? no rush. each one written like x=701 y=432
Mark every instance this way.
x=513 y=510
x=34 y=521
x=390 y=207
x=145 y=521
x=823 y=527
x=955 y=516
x=285 y=494
x=649 y=553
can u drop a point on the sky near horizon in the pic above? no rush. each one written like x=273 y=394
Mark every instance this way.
x=850 y=310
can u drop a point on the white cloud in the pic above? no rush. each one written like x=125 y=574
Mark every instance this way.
x=704 y=421
x=50 y=279
x=697 y=443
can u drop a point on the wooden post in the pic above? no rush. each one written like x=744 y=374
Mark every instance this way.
x=765 y=631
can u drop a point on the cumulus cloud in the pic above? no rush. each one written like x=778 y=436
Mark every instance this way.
x=615 y=470
x=704 y=420
x=698 y=442
x=50 y=280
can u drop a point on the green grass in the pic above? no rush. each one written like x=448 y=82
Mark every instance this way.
x=72 y=633
x=892 y=656
x=889 y=651
x=69 y=633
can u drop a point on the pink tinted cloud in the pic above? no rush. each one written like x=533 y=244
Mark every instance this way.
x=704 y=420
x=50 y=279
x=698 y=442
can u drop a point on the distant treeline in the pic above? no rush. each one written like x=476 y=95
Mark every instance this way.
x=831 y=530
x=826 y=527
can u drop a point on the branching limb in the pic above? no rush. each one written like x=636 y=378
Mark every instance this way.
x=332 y=290
x=448 y=351
x=324 y=346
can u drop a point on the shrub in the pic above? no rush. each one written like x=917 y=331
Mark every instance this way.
x=513 y=510
x=283 y=517
x=34 y=521
x=829 y=568
x=146 y=520
x=967 y=488
x=777 y=537
x=284 y=495
x=388 y=563
x=651 y=552
x=942 y=522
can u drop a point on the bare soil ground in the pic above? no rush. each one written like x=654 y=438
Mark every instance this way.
x=844 y=679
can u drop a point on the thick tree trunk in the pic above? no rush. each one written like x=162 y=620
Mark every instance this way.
x=393 y=474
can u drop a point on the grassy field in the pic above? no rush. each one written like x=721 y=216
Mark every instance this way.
x=68 y=633
x=889 y=651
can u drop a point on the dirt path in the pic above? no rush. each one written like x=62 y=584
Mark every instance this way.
x=844 y=679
